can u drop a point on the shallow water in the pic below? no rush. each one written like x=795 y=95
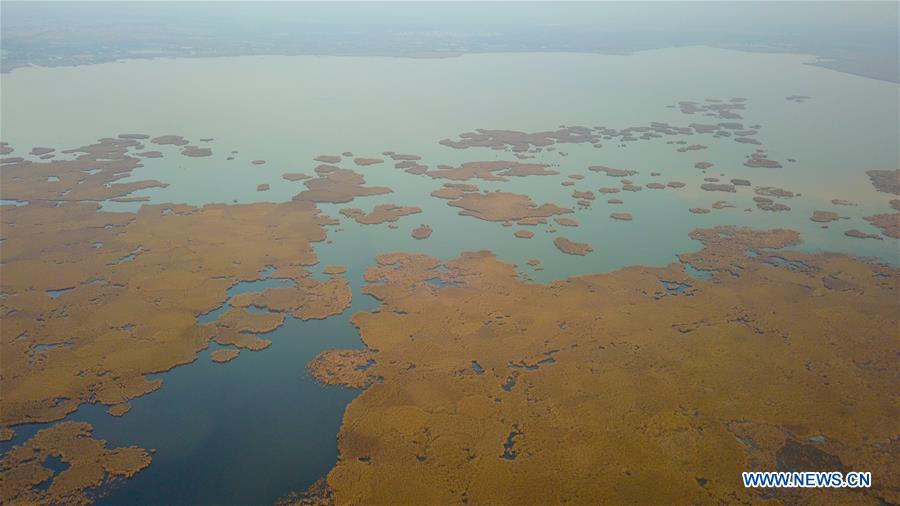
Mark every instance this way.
x=258 y=427
x=288 y=110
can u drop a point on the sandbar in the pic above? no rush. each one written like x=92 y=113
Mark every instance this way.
x=887 y=181
x=571 y=247
x=380 y=214
x=223 y=355
x=421 y=232
x=337 y=186
x=524 y=234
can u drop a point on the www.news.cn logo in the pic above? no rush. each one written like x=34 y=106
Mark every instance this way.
x=809 y=479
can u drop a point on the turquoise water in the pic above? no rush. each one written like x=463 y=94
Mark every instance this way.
x=251 y=430
x=288 y=110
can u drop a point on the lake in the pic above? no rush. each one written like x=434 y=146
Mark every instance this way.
x=253 y=429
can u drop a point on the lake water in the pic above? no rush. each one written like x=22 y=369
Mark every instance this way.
x=258 y=427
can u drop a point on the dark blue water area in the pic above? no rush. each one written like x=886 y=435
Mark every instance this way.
x=440 y=283
x=793 y=265
x=129 y=257
x=244 y=432
x=537 y=365
x=54 y=294
x=509 y=453
x=510 y=383
x=779 y=261
x=54 y=464
x=40 y=348
x=674 y=287
x=697 y=273
x=258 y=285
